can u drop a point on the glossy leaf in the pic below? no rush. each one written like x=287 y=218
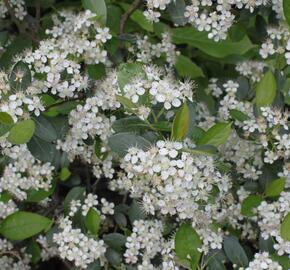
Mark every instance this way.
x=186 y=68
x=275 y=187
x=266 y=90
x=221 y=49
x=187 y=243
x=248 y=205
x=285 y=228
x=98 y=7
x=180 y=125
x=22 y=225
x=93 y=221
x=121 y=142
x=21 y=132
x=216 y=135
x=235 y=252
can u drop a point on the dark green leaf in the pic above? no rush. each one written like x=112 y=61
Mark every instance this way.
x=76 y=193
x=121 y=142
x=6 y=119
x=20 y=77
x=115 y=240
x=235 y=251
x=44 y=129
x=186 y=68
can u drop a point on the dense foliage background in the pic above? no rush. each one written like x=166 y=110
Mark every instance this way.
x=144 y=134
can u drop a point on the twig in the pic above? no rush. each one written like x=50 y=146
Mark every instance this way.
x=128 y=13
x=38 y=17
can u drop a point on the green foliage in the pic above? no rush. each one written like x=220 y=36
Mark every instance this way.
x=22 y=132
x=187 y=243
x=249 y=204
x=93 y=220
x=216 y=135
x=121 y=142
x=22 y=225
x=284 y=230
x=98 y=7
x=180 y=125
x=186 y=68
x=274 y=188
x=221 y=49
x=266 y=90
x=235 y=252
x=286 y=8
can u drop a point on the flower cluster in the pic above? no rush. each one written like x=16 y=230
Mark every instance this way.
x=214 y=17
x=75 y=246
x=146 y=51
x=24 y=173
x=17 y=7
x=172 y=182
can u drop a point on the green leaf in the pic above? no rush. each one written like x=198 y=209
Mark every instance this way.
x=266 y=90
x=139 y=18
x=127 y=103
x=44 y=129
x=235 y=251
x=216 y=135
x=135 y=212
x=286 y=9
x=119 y=143
x=180 y=125
x=18 y=44
x=42 y=150
x=98 y=7
x=64 y=174
x=127 y=72
x=238 y=115
x=76 y=193
x=131 y=123
x=115 y=241
x=204 y=150
x=248 y=205
x=275 y=187
x=187 y=243
x=22 y=225
x=221 y=49
x=285 y=228
x=20 y=77
x=284 y=261
x=96 y=72
x=34 y=195
x=196 y=133
x=6 y=123
x=176 y=11
x=186 y=68
x=93 y=221
x=21 y=132
x=4 y=129
x=6 y=119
